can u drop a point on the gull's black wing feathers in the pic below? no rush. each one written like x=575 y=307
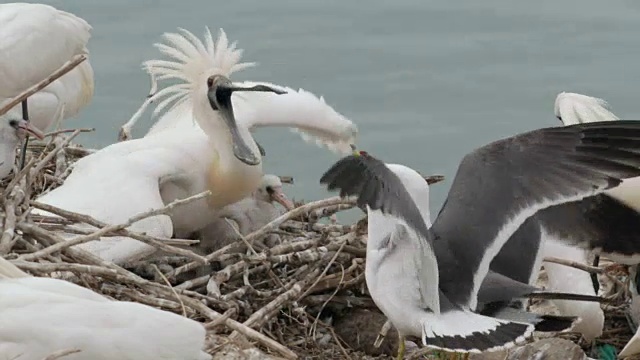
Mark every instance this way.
x=499 y=186
x=376 y=186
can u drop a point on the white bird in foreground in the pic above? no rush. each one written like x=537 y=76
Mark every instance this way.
x=37 y=39
x=428 y=281
x=248 y=215
x=219 y=154
x=12 y=130
x=41 y=316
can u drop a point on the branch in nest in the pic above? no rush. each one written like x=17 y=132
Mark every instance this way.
x=121 y=228
x=273 y=225
x=68 y=66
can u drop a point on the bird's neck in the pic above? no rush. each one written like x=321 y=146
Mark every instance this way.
x=229 y=179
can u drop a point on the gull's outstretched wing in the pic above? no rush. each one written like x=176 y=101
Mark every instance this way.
x=498 y=186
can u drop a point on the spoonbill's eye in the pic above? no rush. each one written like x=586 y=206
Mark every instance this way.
x=210 y=82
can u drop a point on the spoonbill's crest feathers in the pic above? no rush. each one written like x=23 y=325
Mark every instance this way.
x=572 y=108
x=192 y=61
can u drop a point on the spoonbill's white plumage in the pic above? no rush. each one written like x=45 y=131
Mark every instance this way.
x=572 y=108
x=37 y=39
x=300 y=110
x=218 y=154
x=12 y=130
x=62 y=99
x=44 y=315
x=247 y=215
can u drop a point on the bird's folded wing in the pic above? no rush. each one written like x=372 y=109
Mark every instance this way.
x=56 y=36
x=301 y=110
x=498 y=186
x=113 y=186
x=599 y=221
x=379 y=189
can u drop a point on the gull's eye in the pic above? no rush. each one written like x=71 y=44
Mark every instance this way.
x=210 y=81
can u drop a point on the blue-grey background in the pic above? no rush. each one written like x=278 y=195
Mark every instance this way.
x=426 y=81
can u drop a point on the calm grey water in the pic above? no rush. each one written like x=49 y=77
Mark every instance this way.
x=426 y=81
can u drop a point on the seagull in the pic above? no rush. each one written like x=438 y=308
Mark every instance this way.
x=12 y=131
x=45 y=315
x=130 y=177
x=614 y=215
x=248 y=215
x=427 y=281
x=605 y=218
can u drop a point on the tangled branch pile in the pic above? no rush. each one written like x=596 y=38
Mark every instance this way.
x=276 y=298
x=281 y=300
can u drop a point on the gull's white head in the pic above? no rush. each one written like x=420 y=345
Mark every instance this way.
x=202 y=70
x=572 y=108
x=270 y=190
x=417 y=186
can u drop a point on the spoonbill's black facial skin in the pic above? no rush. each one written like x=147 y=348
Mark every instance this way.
x=219 y=93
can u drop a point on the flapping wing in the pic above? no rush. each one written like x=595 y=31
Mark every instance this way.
x=301 y=110
x=498 y=186
x=379 y=189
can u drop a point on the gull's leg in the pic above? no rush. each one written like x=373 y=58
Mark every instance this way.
x=400 y=347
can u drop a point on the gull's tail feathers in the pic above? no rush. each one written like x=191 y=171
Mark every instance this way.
x=544 y=323
x=10 y=271
x=463 y=331
x=191 y=59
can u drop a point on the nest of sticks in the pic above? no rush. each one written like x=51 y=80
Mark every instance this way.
x=286 y=300
x=278 y=298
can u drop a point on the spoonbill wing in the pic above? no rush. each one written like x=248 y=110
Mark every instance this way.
x=37 y=39
x=309 y=115
x=123 y=180
x=572 y=108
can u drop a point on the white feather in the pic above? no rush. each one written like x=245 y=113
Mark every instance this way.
x=572 y=108
x=44 y=315
x=37 y=39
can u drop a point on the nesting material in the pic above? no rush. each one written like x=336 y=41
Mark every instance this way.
x=283 y=301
